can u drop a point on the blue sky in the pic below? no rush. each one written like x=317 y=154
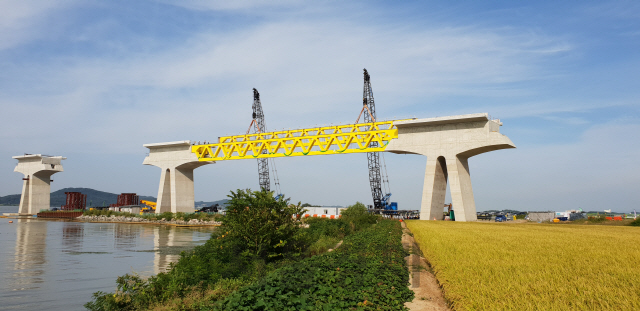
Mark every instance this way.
x=95 y=80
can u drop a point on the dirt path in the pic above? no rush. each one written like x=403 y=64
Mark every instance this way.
x=428 y=295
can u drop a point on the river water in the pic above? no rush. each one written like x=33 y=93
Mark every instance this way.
x=57 y=265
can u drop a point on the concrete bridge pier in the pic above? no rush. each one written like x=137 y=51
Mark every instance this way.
x=36 y=187
x=448 y=143
x=176 y=192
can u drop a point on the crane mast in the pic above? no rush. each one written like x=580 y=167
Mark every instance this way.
x=373 y=158
x=260 y=127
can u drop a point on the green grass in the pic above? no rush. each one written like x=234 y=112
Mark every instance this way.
x=488 y=266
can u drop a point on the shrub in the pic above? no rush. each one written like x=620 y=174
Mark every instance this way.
x=358 y=216
x=318 y=227
x=596 y=219
x=265 y=226
x=635 y=223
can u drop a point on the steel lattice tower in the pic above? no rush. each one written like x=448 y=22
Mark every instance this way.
x=373 y=158
x=263 y=164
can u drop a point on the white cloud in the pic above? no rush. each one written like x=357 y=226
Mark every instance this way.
x=24 y=20
x=308 y=73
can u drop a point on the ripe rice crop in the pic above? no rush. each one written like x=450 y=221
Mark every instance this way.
x=495 y=266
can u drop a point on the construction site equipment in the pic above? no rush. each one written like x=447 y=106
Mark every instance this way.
x=210 y=209
x=150 y=204
x=339 y=139
x=75 y=200
x=376 y=181
x=259 y=126
x=125 y=199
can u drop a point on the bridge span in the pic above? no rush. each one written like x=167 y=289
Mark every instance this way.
x=447 y=142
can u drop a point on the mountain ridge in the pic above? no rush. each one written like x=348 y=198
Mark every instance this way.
x=94 y=198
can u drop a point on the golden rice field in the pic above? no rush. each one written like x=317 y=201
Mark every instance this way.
x=530 y=266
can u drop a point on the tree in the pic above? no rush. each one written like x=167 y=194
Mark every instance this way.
x=358 y=216
x=266 y=226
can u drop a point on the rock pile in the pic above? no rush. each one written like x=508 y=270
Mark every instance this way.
x=114 y=218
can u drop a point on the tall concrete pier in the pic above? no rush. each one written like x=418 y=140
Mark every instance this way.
x=176 y=192
x=448 y=143
x=36 y=188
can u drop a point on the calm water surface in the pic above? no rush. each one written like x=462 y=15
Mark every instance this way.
x=57 y=265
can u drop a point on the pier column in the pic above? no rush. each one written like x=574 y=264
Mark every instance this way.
x=448 y=143
x=36 y=187
x=435 y=188
x=176 y=191
x=461 y=191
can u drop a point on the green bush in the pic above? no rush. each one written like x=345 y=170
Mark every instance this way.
x=635 y=223
x=358 y=217
x=597 y=218
x=265 y=226
x=328 y=227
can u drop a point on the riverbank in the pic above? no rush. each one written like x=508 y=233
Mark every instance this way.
x=139 y=220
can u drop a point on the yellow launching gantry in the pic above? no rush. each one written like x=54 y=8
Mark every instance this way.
x=339 y=139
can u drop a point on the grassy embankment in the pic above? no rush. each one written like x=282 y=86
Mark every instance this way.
x=263 y=255
x=487 y=266
x=367 y=272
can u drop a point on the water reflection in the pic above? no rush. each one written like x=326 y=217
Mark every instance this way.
x=30 y=254
x=72 y=236
x=164 y=239
x=125 y=236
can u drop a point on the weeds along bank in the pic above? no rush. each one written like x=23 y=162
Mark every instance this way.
x=163 y=218
x=261 y=258
x=488 y=266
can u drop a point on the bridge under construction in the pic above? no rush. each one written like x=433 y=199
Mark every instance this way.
x=447 y=142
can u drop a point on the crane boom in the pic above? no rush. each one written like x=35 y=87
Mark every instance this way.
x=260 y=127
x=373 y=158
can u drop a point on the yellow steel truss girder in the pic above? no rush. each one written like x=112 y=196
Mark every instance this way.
x=351 y=138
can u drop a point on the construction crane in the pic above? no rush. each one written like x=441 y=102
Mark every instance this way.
x=149 y=204
x=259 y=126
x=376 y=180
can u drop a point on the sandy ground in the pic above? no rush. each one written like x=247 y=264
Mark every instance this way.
x=428 y=294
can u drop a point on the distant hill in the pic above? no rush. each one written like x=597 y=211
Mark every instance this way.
x=58 y=198
x=12 y=199
x=94 y=198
